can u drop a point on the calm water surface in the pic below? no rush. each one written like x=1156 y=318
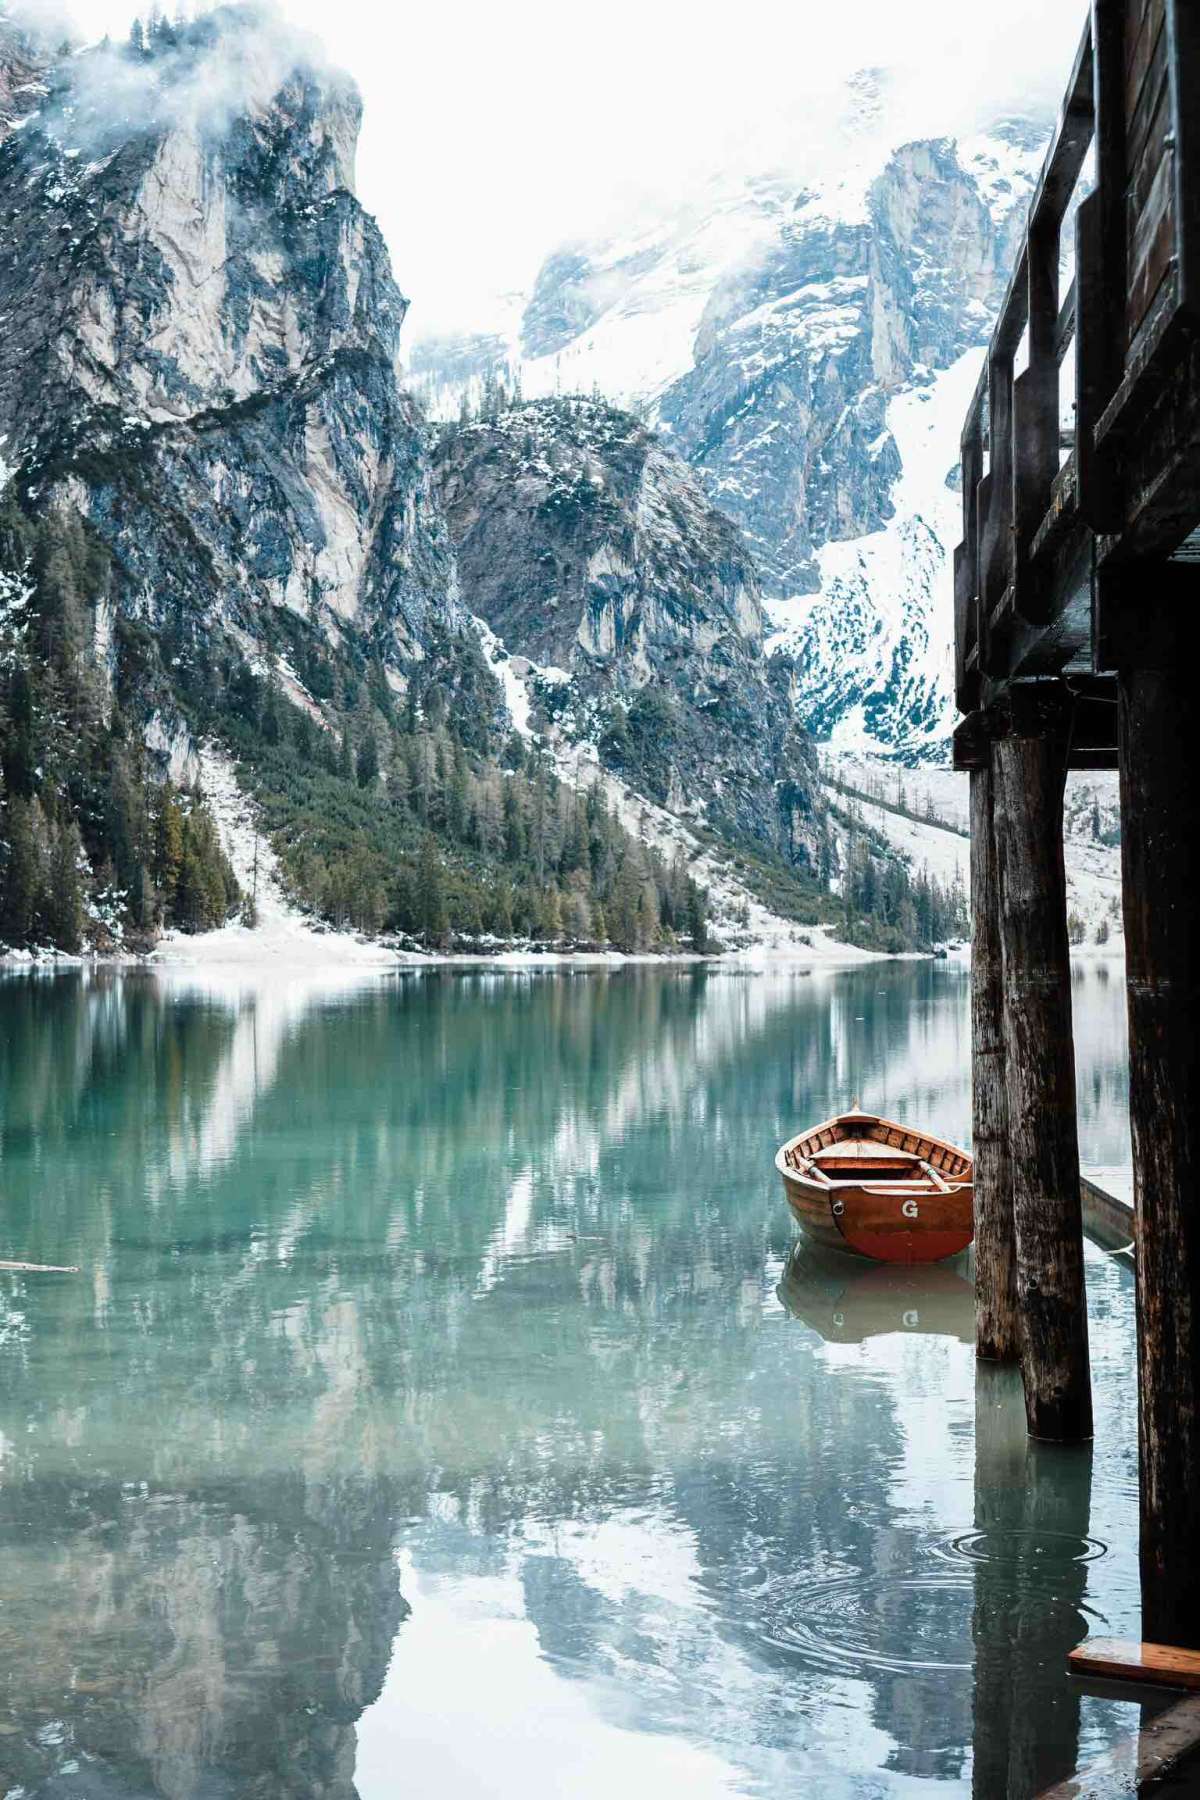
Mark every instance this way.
x=439 y=1411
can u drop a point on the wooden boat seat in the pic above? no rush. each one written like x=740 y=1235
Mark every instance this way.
x=871 y=1174
x=866 y=1150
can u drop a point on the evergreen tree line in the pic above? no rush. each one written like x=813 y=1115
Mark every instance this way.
x=405 y=815
x=916 y=910
x=92 y=844
x=397 y=822
x=155 y=31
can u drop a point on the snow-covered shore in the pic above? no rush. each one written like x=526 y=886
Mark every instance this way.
x=285 y=938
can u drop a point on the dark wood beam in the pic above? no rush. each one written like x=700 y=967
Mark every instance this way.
x=997 y=1326
x=1030 y=767
x=1160 y=854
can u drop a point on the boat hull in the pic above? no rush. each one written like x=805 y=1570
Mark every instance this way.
x=865 y=1185
x=883 y=1225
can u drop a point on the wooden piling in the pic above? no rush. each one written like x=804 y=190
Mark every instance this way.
x=997 y=1335
x=1030 y=766
x=1160 y=831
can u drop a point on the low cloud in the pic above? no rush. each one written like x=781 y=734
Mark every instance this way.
x=201 y=76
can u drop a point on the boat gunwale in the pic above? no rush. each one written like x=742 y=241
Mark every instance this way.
x=827 y=1183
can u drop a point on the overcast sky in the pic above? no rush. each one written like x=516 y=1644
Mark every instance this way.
x=496 y=129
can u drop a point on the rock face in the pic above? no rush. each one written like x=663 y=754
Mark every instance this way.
x=799 y=352
x=200 y=343
x=804 y=344
x=594 y=553
x=21 y=69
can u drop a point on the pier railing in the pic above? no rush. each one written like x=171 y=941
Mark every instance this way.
x=1049 y=488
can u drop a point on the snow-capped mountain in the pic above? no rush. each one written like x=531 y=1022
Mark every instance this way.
x=808 y=341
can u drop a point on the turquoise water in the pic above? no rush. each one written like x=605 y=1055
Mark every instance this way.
x=440 y=1408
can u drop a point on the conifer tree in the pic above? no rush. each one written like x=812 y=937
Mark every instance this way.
x=367 y=761
x=697 y=918
x=63 y=910
x=23 y=874
x=432 y=914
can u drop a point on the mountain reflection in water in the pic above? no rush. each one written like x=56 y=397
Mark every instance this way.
x=442 y=1409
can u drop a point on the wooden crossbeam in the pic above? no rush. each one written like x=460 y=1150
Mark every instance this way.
x=1125 y=1659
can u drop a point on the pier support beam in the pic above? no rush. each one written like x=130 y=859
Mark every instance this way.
x=1030 y=767
x=1160 y=831
x=997 y=1332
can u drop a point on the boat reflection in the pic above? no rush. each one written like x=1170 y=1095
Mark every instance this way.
x=848 y=1300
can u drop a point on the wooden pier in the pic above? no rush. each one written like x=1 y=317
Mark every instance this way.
x=1077 y=613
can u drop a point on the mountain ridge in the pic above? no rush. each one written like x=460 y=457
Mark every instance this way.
x=768 y=336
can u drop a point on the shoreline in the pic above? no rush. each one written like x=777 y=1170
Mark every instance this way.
x=237 y=949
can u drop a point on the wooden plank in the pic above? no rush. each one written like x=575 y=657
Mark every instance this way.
x=1163 y=1745
x=1035 y=420
x=1139 y=118
x=966 y=562
x=995 y=572
x=1102 y=310
x=1140 y=385
x=1064 y=335
x=1151 y=189
x=1060 y=170
x=1183 y=27
x=1061 y=513
x=1140 y=40
x=1151 y=209
x=1125 y=1659
x=966 y=626
x=1098 y=347
x=1160 y=460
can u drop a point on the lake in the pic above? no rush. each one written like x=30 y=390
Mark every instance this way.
x=440 y=1410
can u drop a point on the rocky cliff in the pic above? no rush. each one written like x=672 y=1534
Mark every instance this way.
x=201 y=330
x=800 y=350
x=597 y=558
x=212 y=479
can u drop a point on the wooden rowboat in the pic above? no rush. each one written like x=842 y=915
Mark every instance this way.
x=875 y=1188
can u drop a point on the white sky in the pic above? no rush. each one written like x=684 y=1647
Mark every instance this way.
x=497 y=129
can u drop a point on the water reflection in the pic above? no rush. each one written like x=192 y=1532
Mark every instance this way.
x=847 y=1299
x=441 y=1337
x=1031 y=1552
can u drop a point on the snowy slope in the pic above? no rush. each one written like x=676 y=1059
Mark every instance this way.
x=283 y=938
x=924 y=813
x=619 y=317
x=874 y=647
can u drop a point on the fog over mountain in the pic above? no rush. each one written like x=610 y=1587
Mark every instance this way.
x=809 y=346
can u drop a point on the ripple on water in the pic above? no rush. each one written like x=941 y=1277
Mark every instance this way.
x=914 y=1620
x=924 y=1618
x=1024 y=1550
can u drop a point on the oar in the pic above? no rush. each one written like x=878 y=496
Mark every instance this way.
x=23 y=1268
